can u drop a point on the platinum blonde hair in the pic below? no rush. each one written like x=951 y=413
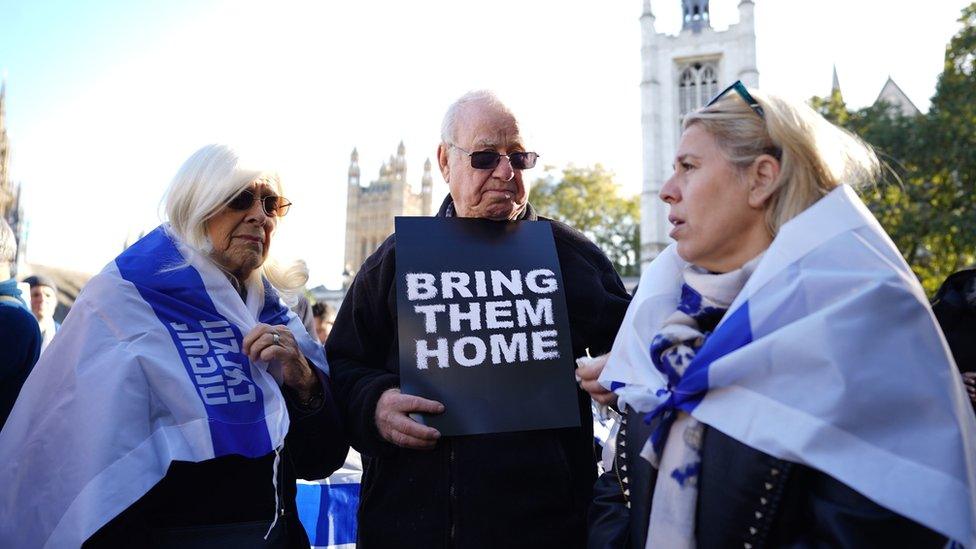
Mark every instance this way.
x=203 y=186
x=482 y=97
x=815 y=156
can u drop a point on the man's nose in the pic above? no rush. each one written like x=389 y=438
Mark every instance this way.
x=504 y=169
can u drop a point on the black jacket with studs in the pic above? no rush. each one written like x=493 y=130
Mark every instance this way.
x=746 y=499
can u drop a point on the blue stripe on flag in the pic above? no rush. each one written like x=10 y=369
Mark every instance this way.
x=273 y=312
x=207 y=343
x=328 y=512
x=734 y=333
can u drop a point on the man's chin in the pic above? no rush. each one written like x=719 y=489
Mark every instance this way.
x=504 y=212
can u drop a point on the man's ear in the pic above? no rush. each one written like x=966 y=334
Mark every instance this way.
x=443 y=152
x=763 y=180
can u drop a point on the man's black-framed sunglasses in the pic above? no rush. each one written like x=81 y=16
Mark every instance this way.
x=740 y=89
x=273 y=205
x=489 y=160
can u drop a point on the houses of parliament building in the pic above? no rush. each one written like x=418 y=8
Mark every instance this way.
x=370 y=209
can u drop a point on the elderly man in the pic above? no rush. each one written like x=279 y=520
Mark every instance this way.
x=43 y=302
x=20 y=338
x=497 y=490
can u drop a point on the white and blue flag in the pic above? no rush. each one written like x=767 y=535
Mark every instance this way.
x=327 y=508
x=830 y=357
x=147 y=369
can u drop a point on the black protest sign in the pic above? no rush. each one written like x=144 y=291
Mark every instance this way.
x=483 y=326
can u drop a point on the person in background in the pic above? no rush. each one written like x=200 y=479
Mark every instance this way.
x=954 y=306
x=43 y=302
x=20 y=337
x=324 y=318
x=303 y=309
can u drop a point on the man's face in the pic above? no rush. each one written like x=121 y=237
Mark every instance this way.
x=43 y=302
x=498 y=193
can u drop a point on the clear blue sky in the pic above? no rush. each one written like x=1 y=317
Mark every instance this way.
x=106 y=98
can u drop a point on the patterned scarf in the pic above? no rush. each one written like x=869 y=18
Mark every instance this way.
x=675 y=447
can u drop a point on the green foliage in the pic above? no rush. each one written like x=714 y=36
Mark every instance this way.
x=588 y=200
x=832 y=108
x=927 y=197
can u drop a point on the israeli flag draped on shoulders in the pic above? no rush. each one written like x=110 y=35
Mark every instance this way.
x=147 y=369
x=830 y=357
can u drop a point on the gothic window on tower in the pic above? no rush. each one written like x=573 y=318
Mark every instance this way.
x=687 y=91
x=709 y=83
x=697 y=84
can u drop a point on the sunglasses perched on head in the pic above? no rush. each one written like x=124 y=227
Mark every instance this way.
x=740 y=89
x=489 y=160
x=273 y=205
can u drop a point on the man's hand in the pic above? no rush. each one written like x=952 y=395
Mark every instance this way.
x=396 y=426
x=969 y=381
x=587 y=373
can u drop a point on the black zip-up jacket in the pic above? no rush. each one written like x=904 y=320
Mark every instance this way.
x=500 y=490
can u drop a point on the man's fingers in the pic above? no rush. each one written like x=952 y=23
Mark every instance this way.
x=409 y=427
x=402 y=439
x=403 y=431
x=413 y=403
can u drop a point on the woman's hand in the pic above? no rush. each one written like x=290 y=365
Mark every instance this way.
x=267 y=343
x=588 y=372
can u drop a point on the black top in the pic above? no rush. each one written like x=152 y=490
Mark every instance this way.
x=233 y=495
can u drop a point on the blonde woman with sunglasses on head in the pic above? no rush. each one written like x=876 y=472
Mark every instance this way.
x=780 y=358
x=181 y=398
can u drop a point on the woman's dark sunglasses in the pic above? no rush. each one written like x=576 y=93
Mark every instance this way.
x=740 y=89
x=273 y=205
x=489 y=160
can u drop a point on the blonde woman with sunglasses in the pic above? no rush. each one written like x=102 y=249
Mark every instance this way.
x=783 y=380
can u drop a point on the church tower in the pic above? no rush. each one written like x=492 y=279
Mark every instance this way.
x=6 y=190
x=370 y=209
x=680 y=73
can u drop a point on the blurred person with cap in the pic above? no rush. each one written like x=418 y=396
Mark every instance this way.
x=43 y=302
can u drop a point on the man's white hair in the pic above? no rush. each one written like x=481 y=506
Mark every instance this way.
x=204 y=185
x=483 y=97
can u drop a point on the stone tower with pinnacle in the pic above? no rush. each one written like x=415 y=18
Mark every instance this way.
x=370 y=209
x=680 y=73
